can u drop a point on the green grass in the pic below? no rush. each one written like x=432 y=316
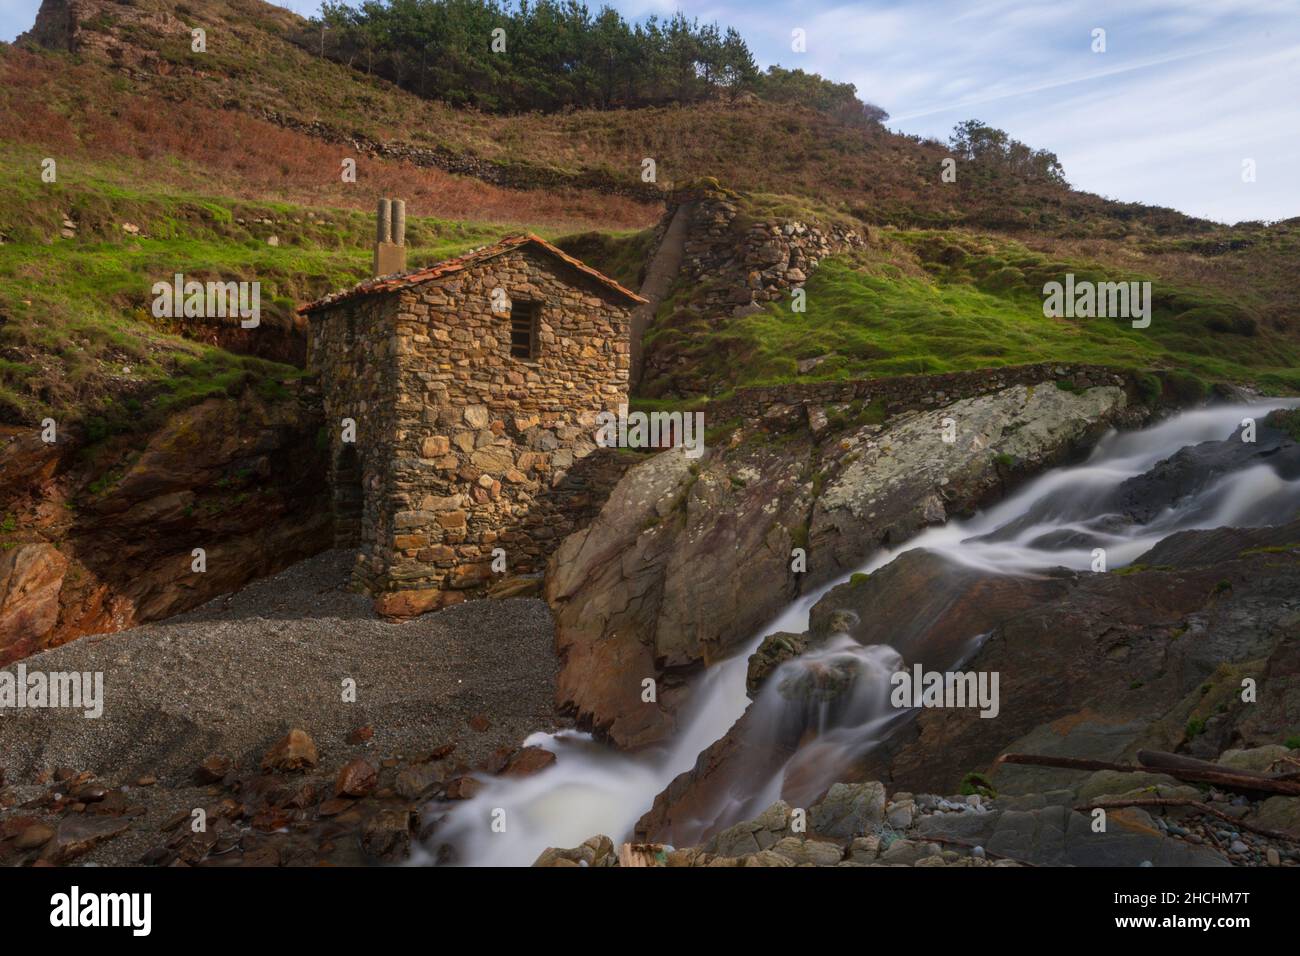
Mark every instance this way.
x=620 y=254
x=1287 y=421
x=78 y=340
x=927 y=310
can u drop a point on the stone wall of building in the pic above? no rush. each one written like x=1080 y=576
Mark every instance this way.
x=352 y=349
x=465 y=448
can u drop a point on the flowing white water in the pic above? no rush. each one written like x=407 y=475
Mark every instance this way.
x=1055 y=520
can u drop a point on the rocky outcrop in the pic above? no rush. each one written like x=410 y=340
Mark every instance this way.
x=98 y=537
x=663 y=581
x=1091 y=665
x=30 y=578
x=102 y=29
x=859 y=824
x=931 y=464
x=657 y=585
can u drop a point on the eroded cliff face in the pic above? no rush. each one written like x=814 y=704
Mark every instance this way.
x=98 y=537
x=688 y=559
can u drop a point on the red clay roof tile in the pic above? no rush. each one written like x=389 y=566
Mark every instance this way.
x=402 y=280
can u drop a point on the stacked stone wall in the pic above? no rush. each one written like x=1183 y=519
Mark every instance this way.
x=466 y=448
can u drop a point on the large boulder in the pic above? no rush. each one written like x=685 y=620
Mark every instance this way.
x=1054 y=835
x=688 y=558
x=662 y=582
x=909 y=476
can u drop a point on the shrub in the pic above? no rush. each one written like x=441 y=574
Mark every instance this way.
x=977 y=783
x=1184 y=388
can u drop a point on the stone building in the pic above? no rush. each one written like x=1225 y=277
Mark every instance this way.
x=458 y=397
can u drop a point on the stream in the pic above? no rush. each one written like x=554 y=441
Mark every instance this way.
x=1116 y=500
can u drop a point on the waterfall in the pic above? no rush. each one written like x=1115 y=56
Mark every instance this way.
x=1134 y=489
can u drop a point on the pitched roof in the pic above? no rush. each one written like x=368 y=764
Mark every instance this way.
x=401 y=280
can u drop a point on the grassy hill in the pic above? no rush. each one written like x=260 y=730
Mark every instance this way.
x=77 y=337
x=253 y=66
x=921 y=301
x=211 y=155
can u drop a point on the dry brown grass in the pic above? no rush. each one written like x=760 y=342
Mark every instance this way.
x=786 y=149
x=81 y=112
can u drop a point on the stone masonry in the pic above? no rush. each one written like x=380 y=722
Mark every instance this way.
x=734 y=265
x=462 y=444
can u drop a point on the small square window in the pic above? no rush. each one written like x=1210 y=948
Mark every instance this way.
x=523 y=329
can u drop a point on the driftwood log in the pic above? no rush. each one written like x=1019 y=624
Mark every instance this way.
x=1173 y=765
x=1194 y=804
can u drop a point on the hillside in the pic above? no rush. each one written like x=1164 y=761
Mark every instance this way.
x=252 y=66
x=118 y=87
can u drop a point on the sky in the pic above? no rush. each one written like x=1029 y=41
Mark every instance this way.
x=1185 y=93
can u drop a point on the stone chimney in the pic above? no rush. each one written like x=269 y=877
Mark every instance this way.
x=390 y=237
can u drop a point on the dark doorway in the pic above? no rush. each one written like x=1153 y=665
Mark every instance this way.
x=349 y=499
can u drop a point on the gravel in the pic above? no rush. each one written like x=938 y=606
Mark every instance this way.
x=236 y=674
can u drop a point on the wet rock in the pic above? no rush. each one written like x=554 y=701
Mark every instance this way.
x=528 y=761
x=1195 y=468
x=356 y=778
x=662 y=581
x=386 y=835
x=463 y=788
x=38 y=834
x=77 y=835
x=774 y=651
x=417 y=780
x=849 y=810
x=900 y=483
x=334 y=806
x=597 y=851
x=212 y=768
x=1055 y=835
